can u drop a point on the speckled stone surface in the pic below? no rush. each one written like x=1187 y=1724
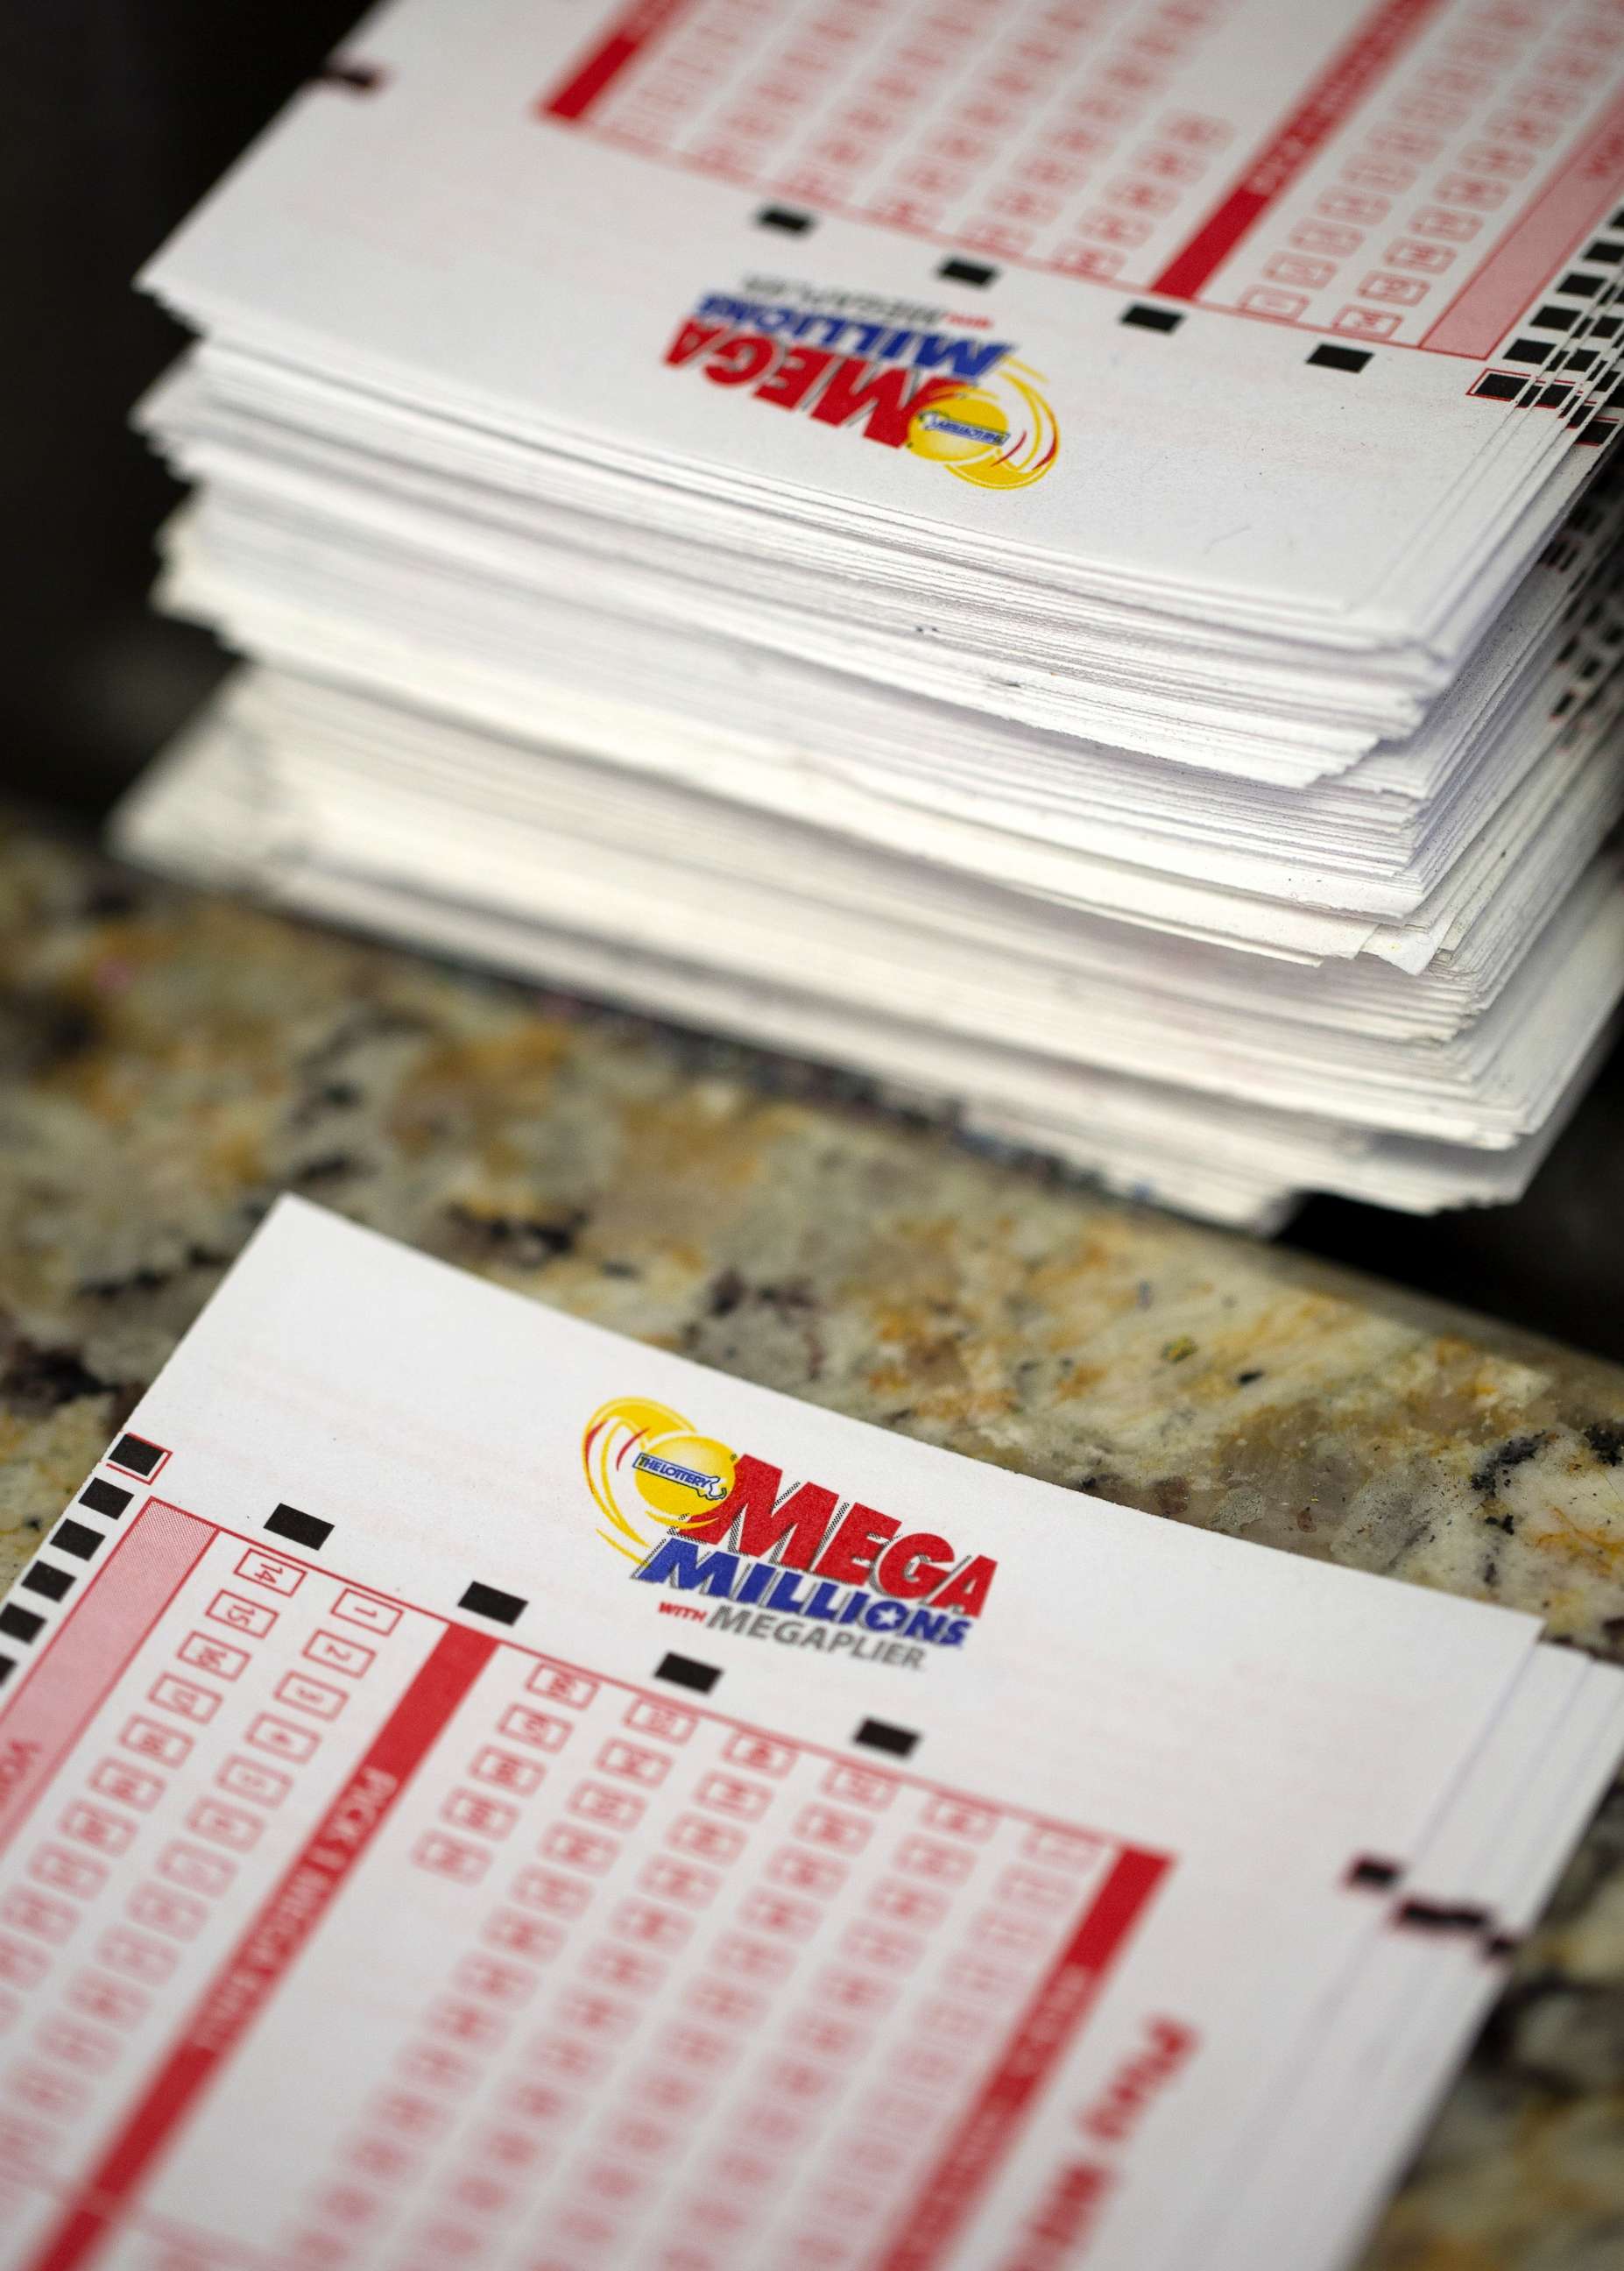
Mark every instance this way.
x=171 y=1061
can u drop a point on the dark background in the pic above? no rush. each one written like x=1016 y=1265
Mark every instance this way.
x=114 y=116
x=114 y=119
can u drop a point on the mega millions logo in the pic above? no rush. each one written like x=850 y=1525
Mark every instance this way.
x=959 y=399
x=649 y=1471
x=739 y=1548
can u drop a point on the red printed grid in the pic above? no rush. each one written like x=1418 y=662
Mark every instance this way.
x=120 y=1877
x=1425 y=185
x=865 y=1975
x=678 y=1933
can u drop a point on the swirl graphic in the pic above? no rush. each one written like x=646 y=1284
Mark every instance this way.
x=999 y=434
x=649 y=1471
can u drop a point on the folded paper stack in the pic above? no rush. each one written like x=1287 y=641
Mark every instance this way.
x=1060 y=556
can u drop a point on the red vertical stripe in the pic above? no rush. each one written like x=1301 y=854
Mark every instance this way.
x=245 y=1982
x=1345 y=82
x=630 y=36
x=1042 y=2036
x=1574 y=201
x=122 y=1600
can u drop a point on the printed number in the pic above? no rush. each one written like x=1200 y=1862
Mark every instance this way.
x=68 y=1872
x=538 y=1729
x=451 y=1856
x=114 y=1779
x=1438 y=221
x=890 y=1951
x=661 y=1719
x=362 y=1609
x=616 y=1809
x=945 y=1865
x=758 y=1754
x=653 y=1926
x=185 y=1698
x=247 y=1778
x=1027 y=1889
x=752 y=1959
x=277 y=1576
x=959 y=1818
x=1410 y=252
x=717 y=1999
x=547 y=1889
x=523 y=1935
x=633 y=1763
x=1401 y=291
x=215 y=1657
x=1265 y=300
x=167 y=1745
x=523 y=1777
x=312 y=1695
x=727 y=1794
x=470 y=1809
x=676 y=1881
x=225 y=1825
x=765 y=1911
x=337 y=1654
x=907 y=1903
x=177 y=1914
x=107 y=2001
x=502 y=1983
x=1327 y=237
x=858 y=1991
x=149 y=1961
x=1077 y=1848
x=242 y=1616
x=1366 y=322
x=581 y=1849
x=20 y=1966
x=560 y=1686
x=1293 y=268
x=806 y=1872
x=95 y=1826
x=843 y=1833
x=282 y=1738
x=209 y=1874
x=711 y=1841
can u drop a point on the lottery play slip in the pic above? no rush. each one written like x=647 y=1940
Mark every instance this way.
x=478 y=1792
x=1059 y=554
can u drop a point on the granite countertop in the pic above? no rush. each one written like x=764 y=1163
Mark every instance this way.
x=172 y=1061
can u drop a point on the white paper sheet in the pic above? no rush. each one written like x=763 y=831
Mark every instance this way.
x=439 y=1823
x=1052 y=550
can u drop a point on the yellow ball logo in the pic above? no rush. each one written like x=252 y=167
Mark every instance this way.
x=649 y=1469
x=1001 y=436
x=961 y=427
x=682 y=1467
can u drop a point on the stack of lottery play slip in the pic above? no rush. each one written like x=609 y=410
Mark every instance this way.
x=1060 y=554
x=481 y=1791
